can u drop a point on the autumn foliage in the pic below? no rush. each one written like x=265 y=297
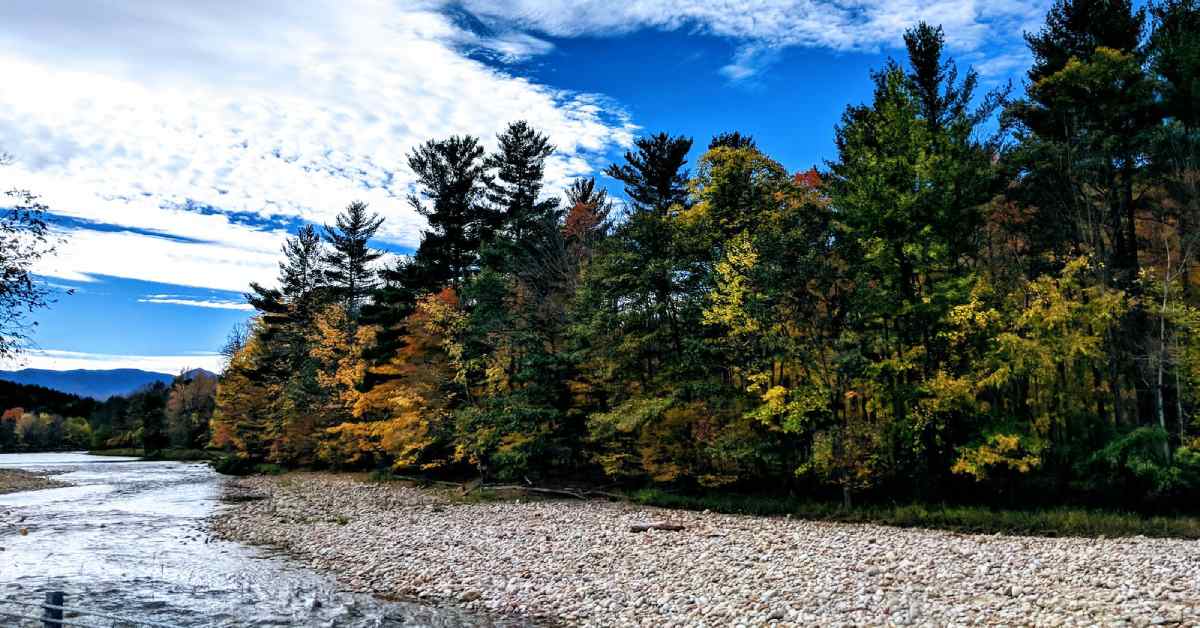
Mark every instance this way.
x=952 y=309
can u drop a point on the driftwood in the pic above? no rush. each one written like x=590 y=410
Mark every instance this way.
x=656 y=525
x=419 y=481
x=478 y=484
x=534 y=489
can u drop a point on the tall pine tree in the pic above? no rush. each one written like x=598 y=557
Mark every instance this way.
x=450 y=185
x=518 y=167
x=348 y=262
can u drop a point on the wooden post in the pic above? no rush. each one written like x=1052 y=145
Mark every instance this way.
x=52 y=617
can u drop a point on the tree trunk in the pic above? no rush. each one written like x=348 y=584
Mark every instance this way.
x=1162 y=354
x=1179 y=408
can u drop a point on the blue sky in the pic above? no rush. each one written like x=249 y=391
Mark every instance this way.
x=177 y=143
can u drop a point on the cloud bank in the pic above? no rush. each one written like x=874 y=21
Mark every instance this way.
x=219 y=125
x=69 y=360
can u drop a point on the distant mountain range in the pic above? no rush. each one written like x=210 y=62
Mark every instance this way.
x=97 y=384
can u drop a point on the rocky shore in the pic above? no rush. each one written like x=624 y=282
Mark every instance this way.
x=579 y=563
x=16 y=480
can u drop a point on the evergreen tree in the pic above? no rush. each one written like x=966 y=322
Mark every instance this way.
x=515 y=186
x=348 y=265
x=1083 y=127
x=301 y=275
x=451 y=176
x=587 y=220
x=1175 y=59
x=732 y=139
x=908 y=189
x=1076 y=29
x=147 y=410
x=655 y=178
x=638 y=351
x=1084 y=132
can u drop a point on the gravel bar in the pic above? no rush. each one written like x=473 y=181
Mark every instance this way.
x=17 y=480
x=573 y=563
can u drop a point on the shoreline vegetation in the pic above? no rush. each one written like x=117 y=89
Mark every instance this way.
x=180 y=455
x=1047 y=522
x=1040 y=522
x=572 y=562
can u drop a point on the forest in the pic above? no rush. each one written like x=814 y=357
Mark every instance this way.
x=986 y=296
x=150 y=421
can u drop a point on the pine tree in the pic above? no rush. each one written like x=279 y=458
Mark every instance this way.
x=912 y=176
x=515 y=186
x=640 y=265
x=1076 y=29
x=1175 y=57
x=1084 y=132
x=451 y=176
x=1088 y=110
x=732 y=139
x=301 y=276
x=655 y=178
x=348 y=266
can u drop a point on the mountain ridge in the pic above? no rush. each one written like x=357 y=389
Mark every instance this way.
x=98 y=384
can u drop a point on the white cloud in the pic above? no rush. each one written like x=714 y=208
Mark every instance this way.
x=748 y=62
x=264 y=113
x=223 y=265
x=260 y=111
x=844 y=25
x=57 y=360
x=217 y=304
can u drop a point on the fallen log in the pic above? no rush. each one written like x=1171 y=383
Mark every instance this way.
x=534 y=489
x=656 y=525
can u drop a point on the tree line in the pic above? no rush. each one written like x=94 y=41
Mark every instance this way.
x=157 y=417
x=981 y=295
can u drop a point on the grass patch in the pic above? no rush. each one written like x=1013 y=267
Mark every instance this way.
x=268 y=469
x=972 y=519
x=185 y=455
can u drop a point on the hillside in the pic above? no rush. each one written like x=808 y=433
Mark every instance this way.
x=97 y=384
x=36 y=398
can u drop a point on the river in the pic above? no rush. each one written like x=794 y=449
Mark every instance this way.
x=130 y=537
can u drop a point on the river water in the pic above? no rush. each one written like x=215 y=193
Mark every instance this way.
x=129 y=537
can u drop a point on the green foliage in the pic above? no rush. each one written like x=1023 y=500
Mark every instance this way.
x=1054 y=522
x=233 y=464
x=1134 y=464
x=955 y=308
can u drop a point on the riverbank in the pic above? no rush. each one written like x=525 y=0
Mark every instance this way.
x=181 y=455
x=1053 y=522
x=579 y=563
x=17 y=480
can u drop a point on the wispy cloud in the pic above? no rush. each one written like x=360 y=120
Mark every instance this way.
x=216 y=122
x=748 y=62
x=174 y=299
x=763 y=25
x=58 y=360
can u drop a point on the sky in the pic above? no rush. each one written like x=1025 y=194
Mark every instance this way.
x=178 y=143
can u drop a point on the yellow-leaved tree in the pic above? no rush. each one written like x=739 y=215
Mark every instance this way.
x=405 y=416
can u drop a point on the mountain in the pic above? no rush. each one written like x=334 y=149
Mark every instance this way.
x=96 y=384
x=194 y=373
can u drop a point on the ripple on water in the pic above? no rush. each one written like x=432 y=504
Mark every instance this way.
x=130 y=538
